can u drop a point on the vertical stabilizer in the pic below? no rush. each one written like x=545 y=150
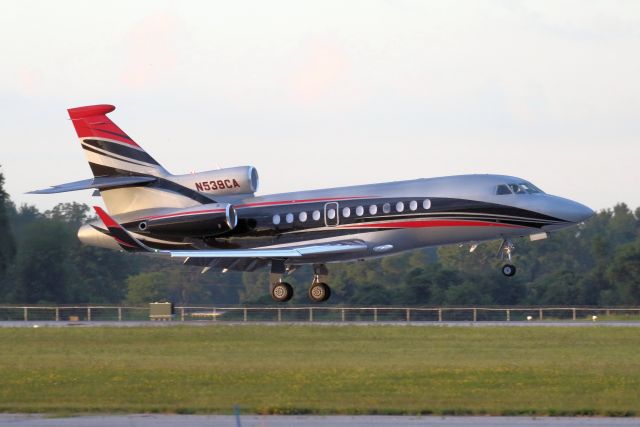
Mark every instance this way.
x=112 y=153
x=109 y=150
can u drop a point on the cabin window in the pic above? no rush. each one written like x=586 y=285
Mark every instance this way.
x=316 y=215
x=373 y=209
x=346 y=212
x=276 y=219
x=359 y=211
x=289 y=218
x=386 y=208
x=426 y=205
x=302 y=216
x=399 y=207
x=413 y=205
x=331 y=213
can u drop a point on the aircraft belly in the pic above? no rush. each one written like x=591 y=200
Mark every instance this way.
x=409 y=239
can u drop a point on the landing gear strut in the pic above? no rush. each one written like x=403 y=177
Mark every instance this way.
x=505 y=251
x=319 y=290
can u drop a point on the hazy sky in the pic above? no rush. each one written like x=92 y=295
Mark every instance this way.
x=322 y=94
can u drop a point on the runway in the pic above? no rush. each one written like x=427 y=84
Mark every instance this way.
x=209 y=323
x=306 y=421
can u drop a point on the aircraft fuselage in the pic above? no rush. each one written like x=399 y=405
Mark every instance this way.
x=388 y=217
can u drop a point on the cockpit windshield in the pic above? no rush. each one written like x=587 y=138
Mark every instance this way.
x=519 y=188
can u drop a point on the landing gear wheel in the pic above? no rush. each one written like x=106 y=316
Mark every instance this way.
x=319 y=292
x=282 y=292
x=509 y=270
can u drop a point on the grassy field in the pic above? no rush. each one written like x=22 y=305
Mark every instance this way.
x=326 y=369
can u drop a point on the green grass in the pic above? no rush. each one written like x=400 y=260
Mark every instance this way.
x=322 y=369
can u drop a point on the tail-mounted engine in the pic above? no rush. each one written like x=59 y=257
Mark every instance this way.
x=228 y=181
x=197 y=221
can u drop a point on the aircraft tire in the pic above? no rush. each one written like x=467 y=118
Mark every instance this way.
x=509 y=270
x=319 y=292
x=282 y=292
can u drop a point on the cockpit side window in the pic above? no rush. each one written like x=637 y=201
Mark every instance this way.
x=524 y=188
x=517 y=189
x=503 y=189
x=532 y=188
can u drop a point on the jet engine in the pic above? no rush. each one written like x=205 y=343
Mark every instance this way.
x=221 y=182
x=204 y=220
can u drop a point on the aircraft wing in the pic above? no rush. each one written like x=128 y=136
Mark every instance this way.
x=296 y=252
x=100 y=183
x=130 y=243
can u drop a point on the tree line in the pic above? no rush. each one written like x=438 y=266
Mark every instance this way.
x=597 y=263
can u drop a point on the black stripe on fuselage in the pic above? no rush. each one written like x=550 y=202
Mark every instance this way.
x=440 y=207
x=265 y=232
x=121 y=150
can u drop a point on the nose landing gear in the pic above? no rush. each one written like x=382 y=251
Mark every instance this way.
x=509 y=270
x=505 y=251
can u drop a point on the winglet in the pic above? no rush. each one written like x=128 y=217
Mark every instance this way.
x=122 y=236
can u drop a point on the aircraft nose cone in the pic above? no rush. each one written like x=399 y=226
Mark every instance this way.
x=575 y=212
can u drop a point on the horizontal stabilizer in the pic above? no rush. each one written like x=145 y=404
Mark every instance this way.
x=101 y=183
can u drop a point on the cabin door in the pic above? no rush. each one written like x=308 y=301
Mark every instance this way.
x=331 y=214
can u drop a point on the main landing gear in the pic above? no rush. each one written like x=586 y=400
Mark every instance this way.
x=283 y=291
x=319 y=290
x=505 y=251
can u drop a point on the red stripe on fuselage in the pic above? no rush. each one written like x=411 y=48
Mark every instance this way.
x=293 y=202
x=430 y=223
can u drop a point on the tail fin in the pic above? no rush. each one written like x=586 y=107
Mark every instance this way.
x=113 y=154
x=109 y=150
